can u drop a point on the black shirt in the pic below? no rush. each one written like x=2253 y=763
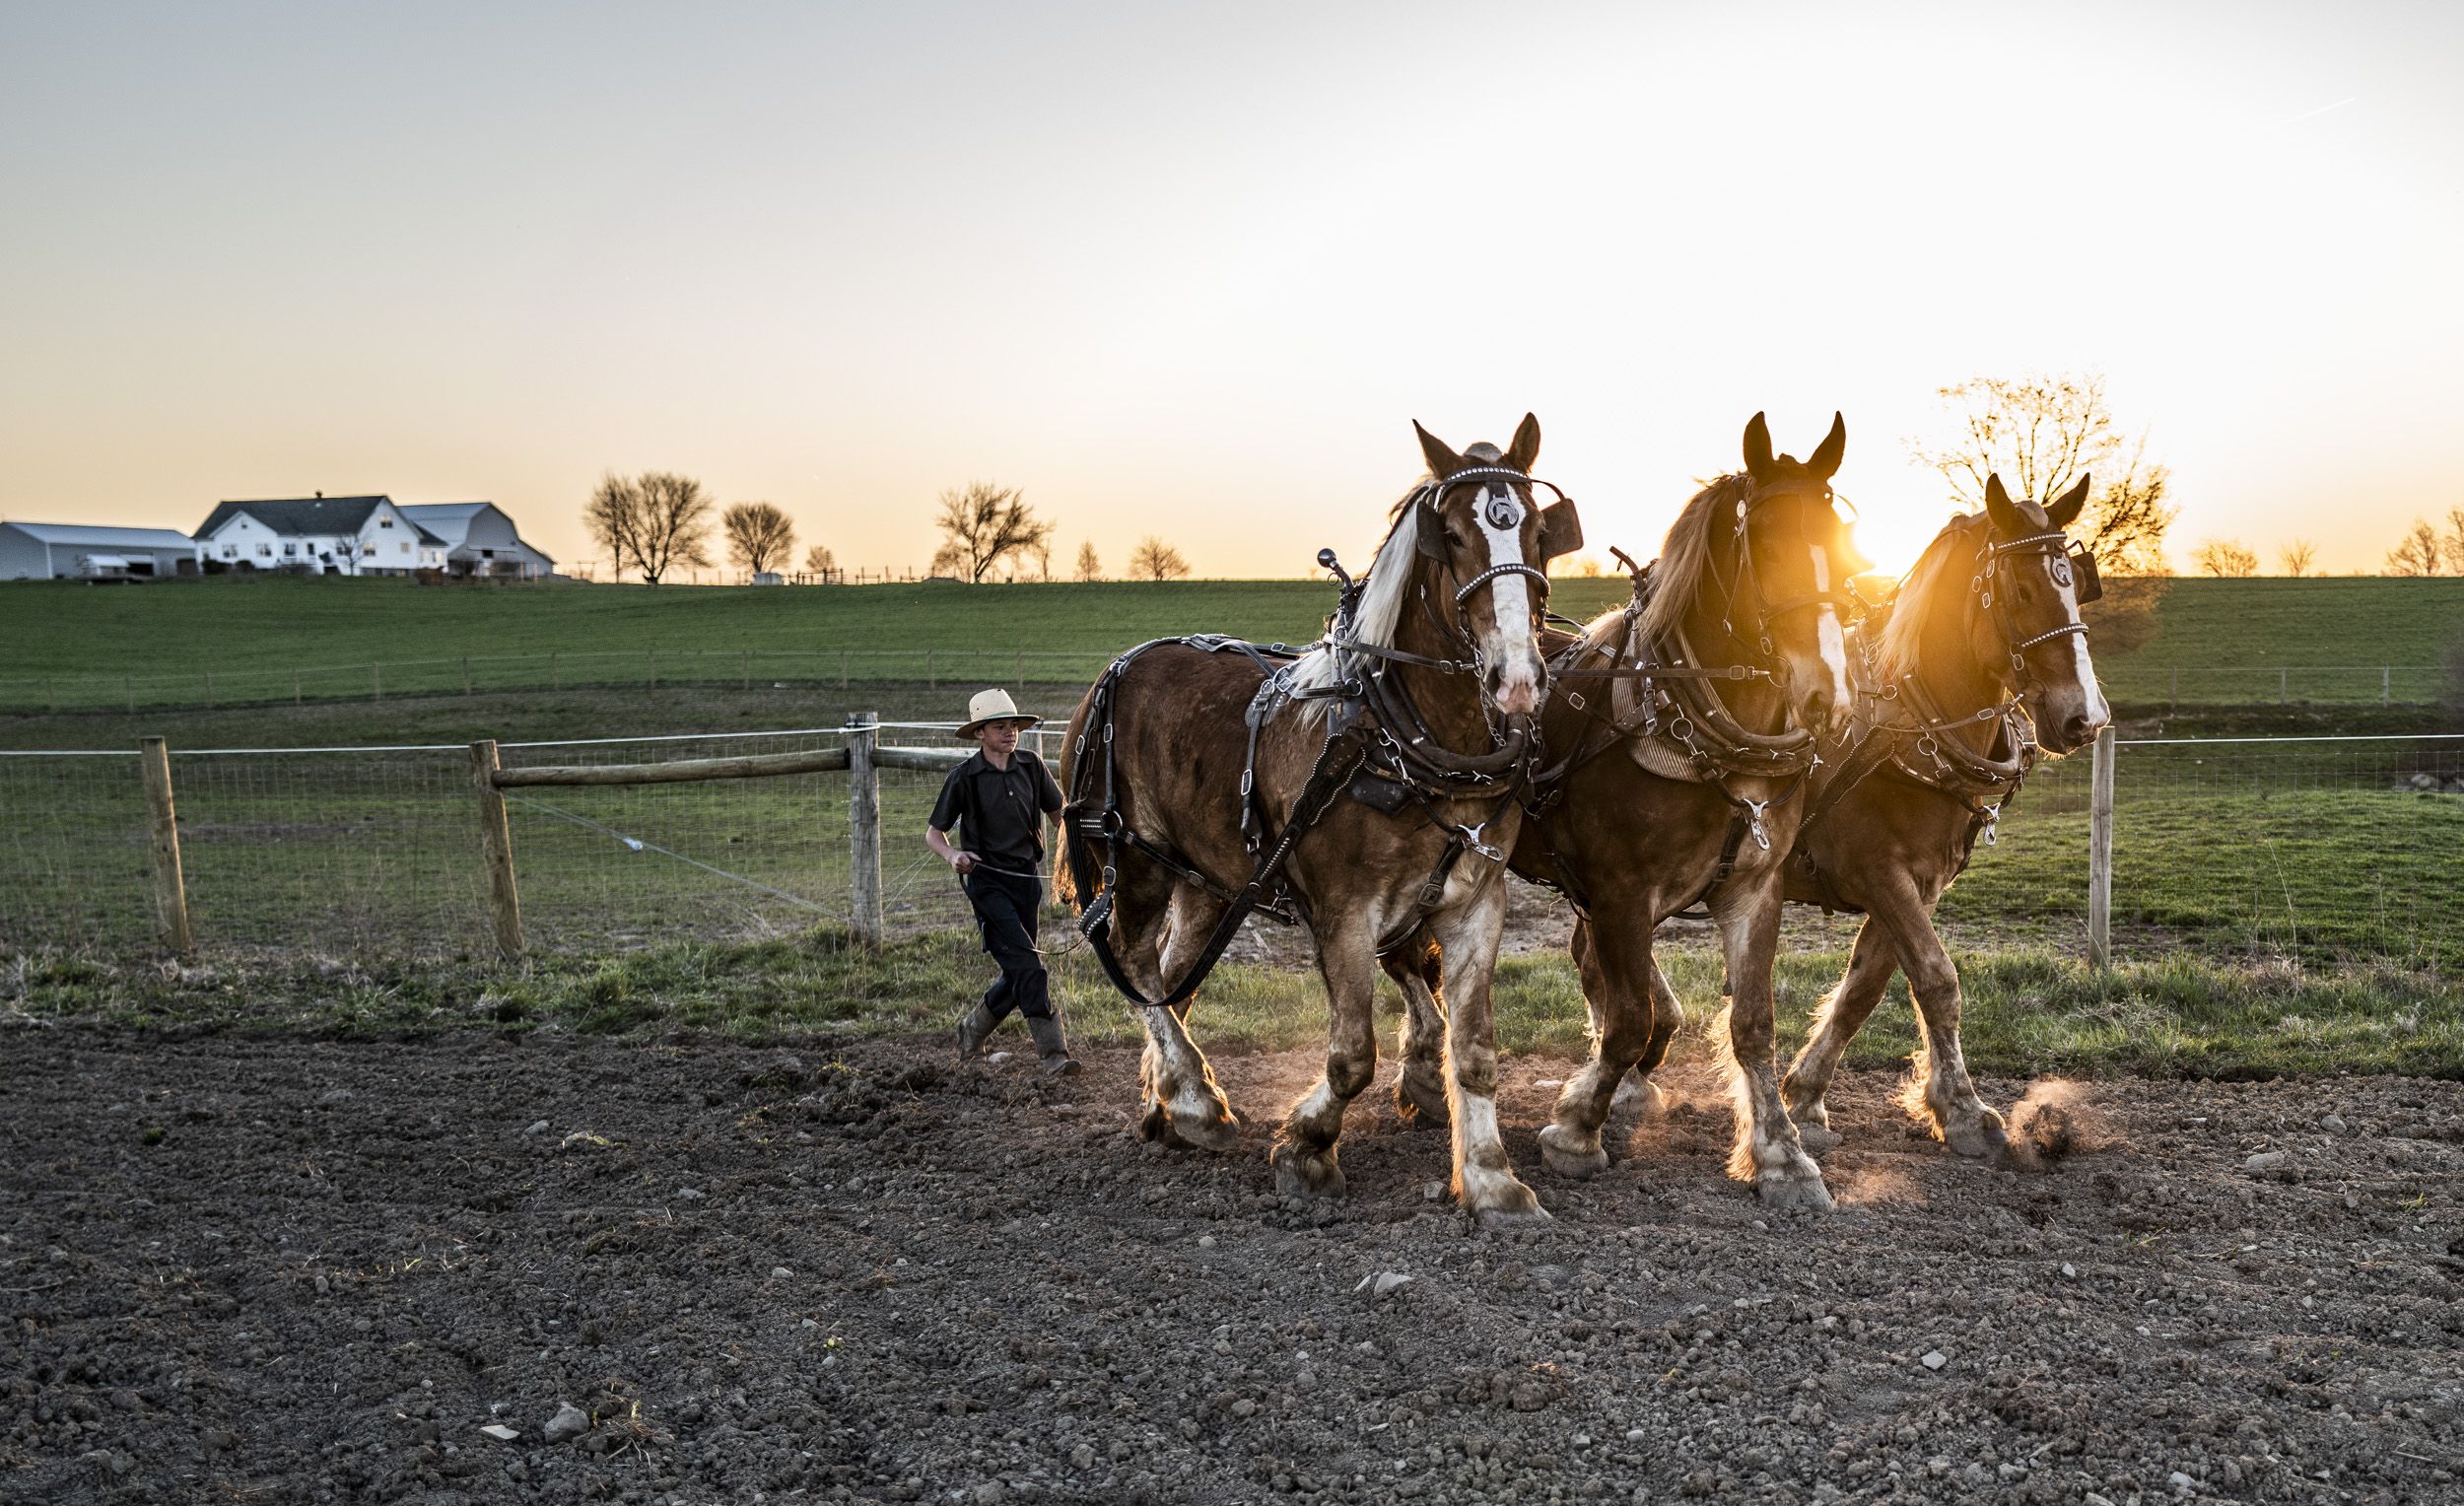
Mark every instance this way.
x=999 y=808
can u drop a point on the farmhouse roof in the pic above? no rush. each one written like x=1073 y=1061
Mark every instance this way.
x=448 y=522
x=299 y=515
x=95 y=535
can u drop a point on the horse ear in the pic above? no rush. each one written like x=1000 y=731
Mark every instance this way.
x=2005 y=517
x=1835 y=447
x=1757 y=446
x=1443 y=462
x=1526 y=446
x=1561 y=531
x=2065 y=511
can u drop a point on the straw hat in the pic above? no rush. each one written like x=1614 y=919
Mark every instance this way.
x=992 y=705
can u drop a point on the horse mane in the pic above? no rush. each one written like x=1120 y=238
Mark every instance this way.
x=1686 y=554
x=1381 y=609
x=1903 y=636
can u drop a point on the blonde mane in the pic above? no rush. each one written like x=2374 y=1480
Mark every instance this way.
x=1686 y=554
x=1380 y=612
x=1895 y=652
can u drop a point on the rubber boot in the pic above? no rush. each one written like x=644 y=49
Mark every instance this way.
x=973 y=1028
x=1050 y=1045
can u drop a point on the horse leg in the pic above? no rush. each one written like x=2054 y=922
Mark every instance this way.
x=1616 y=970
x=1305 y=1151
x=1421 y=1088
x=1485 y=1182
x=1638 y=1097
x=1942 y=1087
x=1184 y=1105
x=1844 y=1012
x=1767 y=1151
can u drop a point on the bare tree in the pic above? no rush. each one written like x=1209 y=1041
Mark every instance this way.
x=2419 y=554
x=654 y=523
x=1155 y=560
x=983 y=524
x=819 y=561
x=1090 y=567
x=2228 y=558
x=758 y=535
x=2040 y=434
x=2453 y=543
x=2298 y=557
x=948 y=560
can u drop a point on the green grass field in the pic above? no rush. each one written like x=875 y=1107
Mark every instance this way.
x=267 y=639
x=2028 y=1013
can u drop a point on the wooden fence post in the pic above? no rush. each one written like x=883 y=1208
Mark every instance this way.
x=170 y=892
x=496 y=847
x=863 y=831
x=2100 y=855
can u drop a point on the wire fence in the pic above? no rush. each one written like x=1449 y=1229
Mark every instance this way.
x=2318 y=849
x=2126 y=682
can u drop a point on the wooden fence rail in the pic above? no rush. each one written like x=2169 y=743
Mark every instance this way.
x=861 y=760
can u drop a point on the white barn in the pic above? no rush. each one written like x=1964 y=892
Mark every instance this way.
x=479 y=539
x=82 y=552
x=320 y=535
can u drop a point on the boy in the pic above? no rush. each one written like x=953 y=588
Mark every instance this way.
x=997 y=800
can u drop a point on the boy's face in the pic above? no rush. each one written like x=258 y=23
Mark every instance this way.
x=1000 y=738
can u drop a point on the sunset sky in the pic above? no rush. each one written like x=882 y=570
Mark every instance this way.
x=1192 y=270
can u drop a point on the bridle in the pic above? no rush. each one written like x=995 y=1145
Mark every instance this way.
x=1842 y=602
x=1421 y=510
x=1954 y=763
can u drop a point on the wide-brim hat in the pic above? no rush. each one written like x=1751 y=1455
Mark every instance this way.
x=992 y=705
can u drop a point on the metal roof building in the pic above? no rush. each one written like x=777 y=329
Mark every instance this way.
x=72 y=551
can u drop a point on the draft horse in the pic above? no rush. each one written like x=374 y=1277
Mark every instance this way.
x=1686 y=721
x=1979 y=663
x=1364 y=788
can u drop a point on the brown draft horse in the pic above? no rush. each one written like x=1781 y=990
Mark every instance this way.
x=1444 y=633
x=1982 y=641
x=1682 y=780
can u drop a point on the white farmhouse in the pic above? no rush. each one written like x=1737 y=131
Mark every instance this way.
x=80 y=552
x=479 y=539
x=321 y=535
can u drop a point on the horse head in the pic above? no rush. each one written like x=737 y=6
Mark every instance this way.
x=1482 y=545
x=2033 y=582
x=1793 y=560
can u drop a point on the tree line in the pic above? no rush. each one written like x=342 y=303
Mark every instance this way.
x=659 y=522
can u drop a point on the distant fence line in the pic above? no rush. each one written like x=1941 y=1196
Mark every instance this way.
x=748 y=669
x=2327 y=848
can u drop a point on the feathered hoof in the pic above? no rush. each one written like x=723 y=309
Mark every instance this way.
x=1421 y=1101
x=1300 y=1173
x=1976 y=1138
x=1638 y=1097
x=1562 y=1154
x=1189 y=1131
x=1513 y=1206
x=1817 y=1139
x=1794 y=1189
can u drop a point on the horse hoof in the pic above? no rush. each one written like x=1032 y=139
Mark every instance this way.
x=1306 y=1174
x=1518 y=1213
x=1817 y=1138
x=1215 y=1135
x=1155 y=1122
x=1638 y=1097
x=1421 y=1105
x=1562 y=1156
x=1779 y=1190
x=1976 y=1140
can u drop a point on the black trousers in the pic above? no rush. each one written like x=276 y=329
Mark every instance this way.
x=1006 y=910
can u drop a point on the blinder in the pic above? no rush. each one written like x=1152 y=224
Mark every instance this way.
x=2086 y=584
